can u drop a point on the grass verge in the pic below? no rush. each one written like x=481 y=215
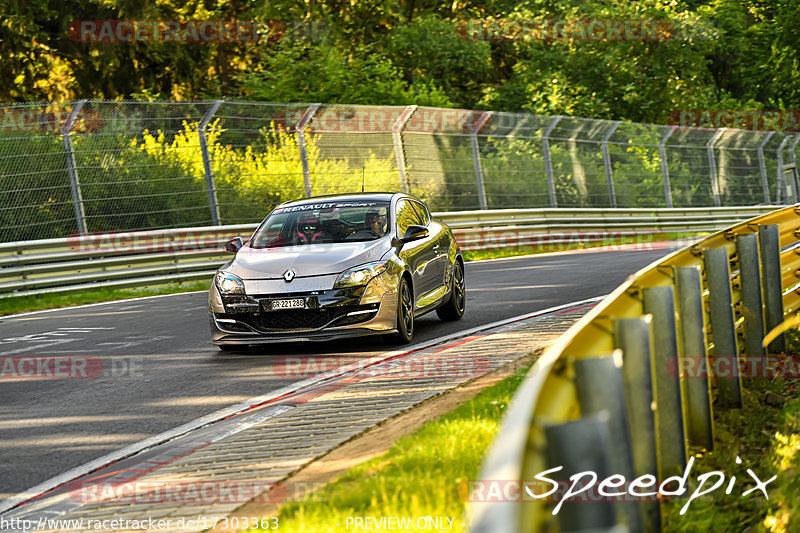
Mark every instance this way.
x=422 y=474
x=12 y=305
x=22 y=304
x=642 y=242
x=765 y=435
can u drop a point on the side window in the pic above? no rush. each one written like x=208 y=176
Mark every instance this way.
x=422 y=213
x=407 y=215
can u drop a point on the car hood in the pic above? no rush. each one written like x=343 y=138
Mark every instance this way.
x=308 y=260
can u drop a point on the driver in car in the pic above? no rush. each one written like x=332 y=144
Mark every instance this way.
x=374 y=225
x=308 y=229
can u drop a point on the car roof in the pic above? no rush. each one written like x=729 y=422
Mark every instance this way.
x=361 y=197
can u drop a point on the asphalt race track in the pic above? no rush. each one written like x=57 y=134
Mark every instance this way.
x=149 y=365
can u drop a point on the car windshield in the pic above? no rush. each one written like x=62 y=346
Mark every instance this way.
x=324 y=222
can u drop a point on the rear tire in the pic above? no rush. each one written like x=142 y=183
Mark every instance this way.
x=454 y=308
x=405 y=313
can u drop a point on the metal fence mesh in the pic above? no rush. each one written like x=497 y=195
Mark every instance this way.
x=103 y=166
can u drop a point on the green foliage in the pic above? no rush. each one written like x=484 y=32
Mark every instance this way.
x=459 y=67
x=721 y=54
x=325 y=74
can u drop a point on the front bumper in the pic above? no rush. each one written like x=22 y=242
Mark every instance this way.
x=327 y=315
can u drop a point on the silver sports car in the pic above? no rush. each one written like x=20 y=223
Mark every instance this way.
x=336 y=266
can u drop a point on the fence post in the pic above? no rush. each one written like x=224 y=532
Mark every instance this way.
x=662 y=153
x=791 y=148
x=476 y=159
x=712 y=165
x=72 y=168
x=301 y=146
x=780 y=183
x=723 y=326
x=769 y=241
x=699 y=422
x=213 y=204
x=612 y=196
x=399 y=149
x=795 y=184
x=548 y=164
x=763 y=167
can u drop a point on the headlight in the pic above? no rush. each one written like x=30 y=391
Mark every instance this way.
x=229 y=284
x=360 y=275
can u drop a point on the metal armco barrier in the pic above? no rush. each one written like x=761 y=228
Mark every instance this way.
x=113 y=260
x=615 y=392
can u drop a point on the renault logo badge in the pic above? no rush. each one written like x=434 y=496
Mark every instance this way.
x=289 y=275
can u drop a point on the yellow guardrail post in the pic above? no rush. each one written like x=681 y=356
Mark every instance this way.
x=632 y=336
x=752 y=305
x=599 y=387
x=692 y=351
x=660 y=303
x=583 y=446
x=723 y=326
x=769 y=240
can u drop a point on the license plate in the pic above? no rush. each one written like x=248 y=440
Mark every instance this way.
x=294 y=303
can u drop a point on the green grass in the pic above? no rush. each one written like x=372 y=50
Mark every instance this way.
x=765 y=434
x=51 y=301
x=423 y=474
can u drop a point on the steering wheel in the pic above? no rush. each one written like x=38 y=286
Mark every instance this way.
x=361 y=234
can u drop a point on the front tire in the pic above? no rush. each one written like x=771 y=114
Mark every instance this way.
x=405 y=313
x=454 y=308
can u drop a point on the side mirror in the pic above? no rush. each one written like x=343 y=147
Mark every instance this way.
x=233 y=245
x=415 y=233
